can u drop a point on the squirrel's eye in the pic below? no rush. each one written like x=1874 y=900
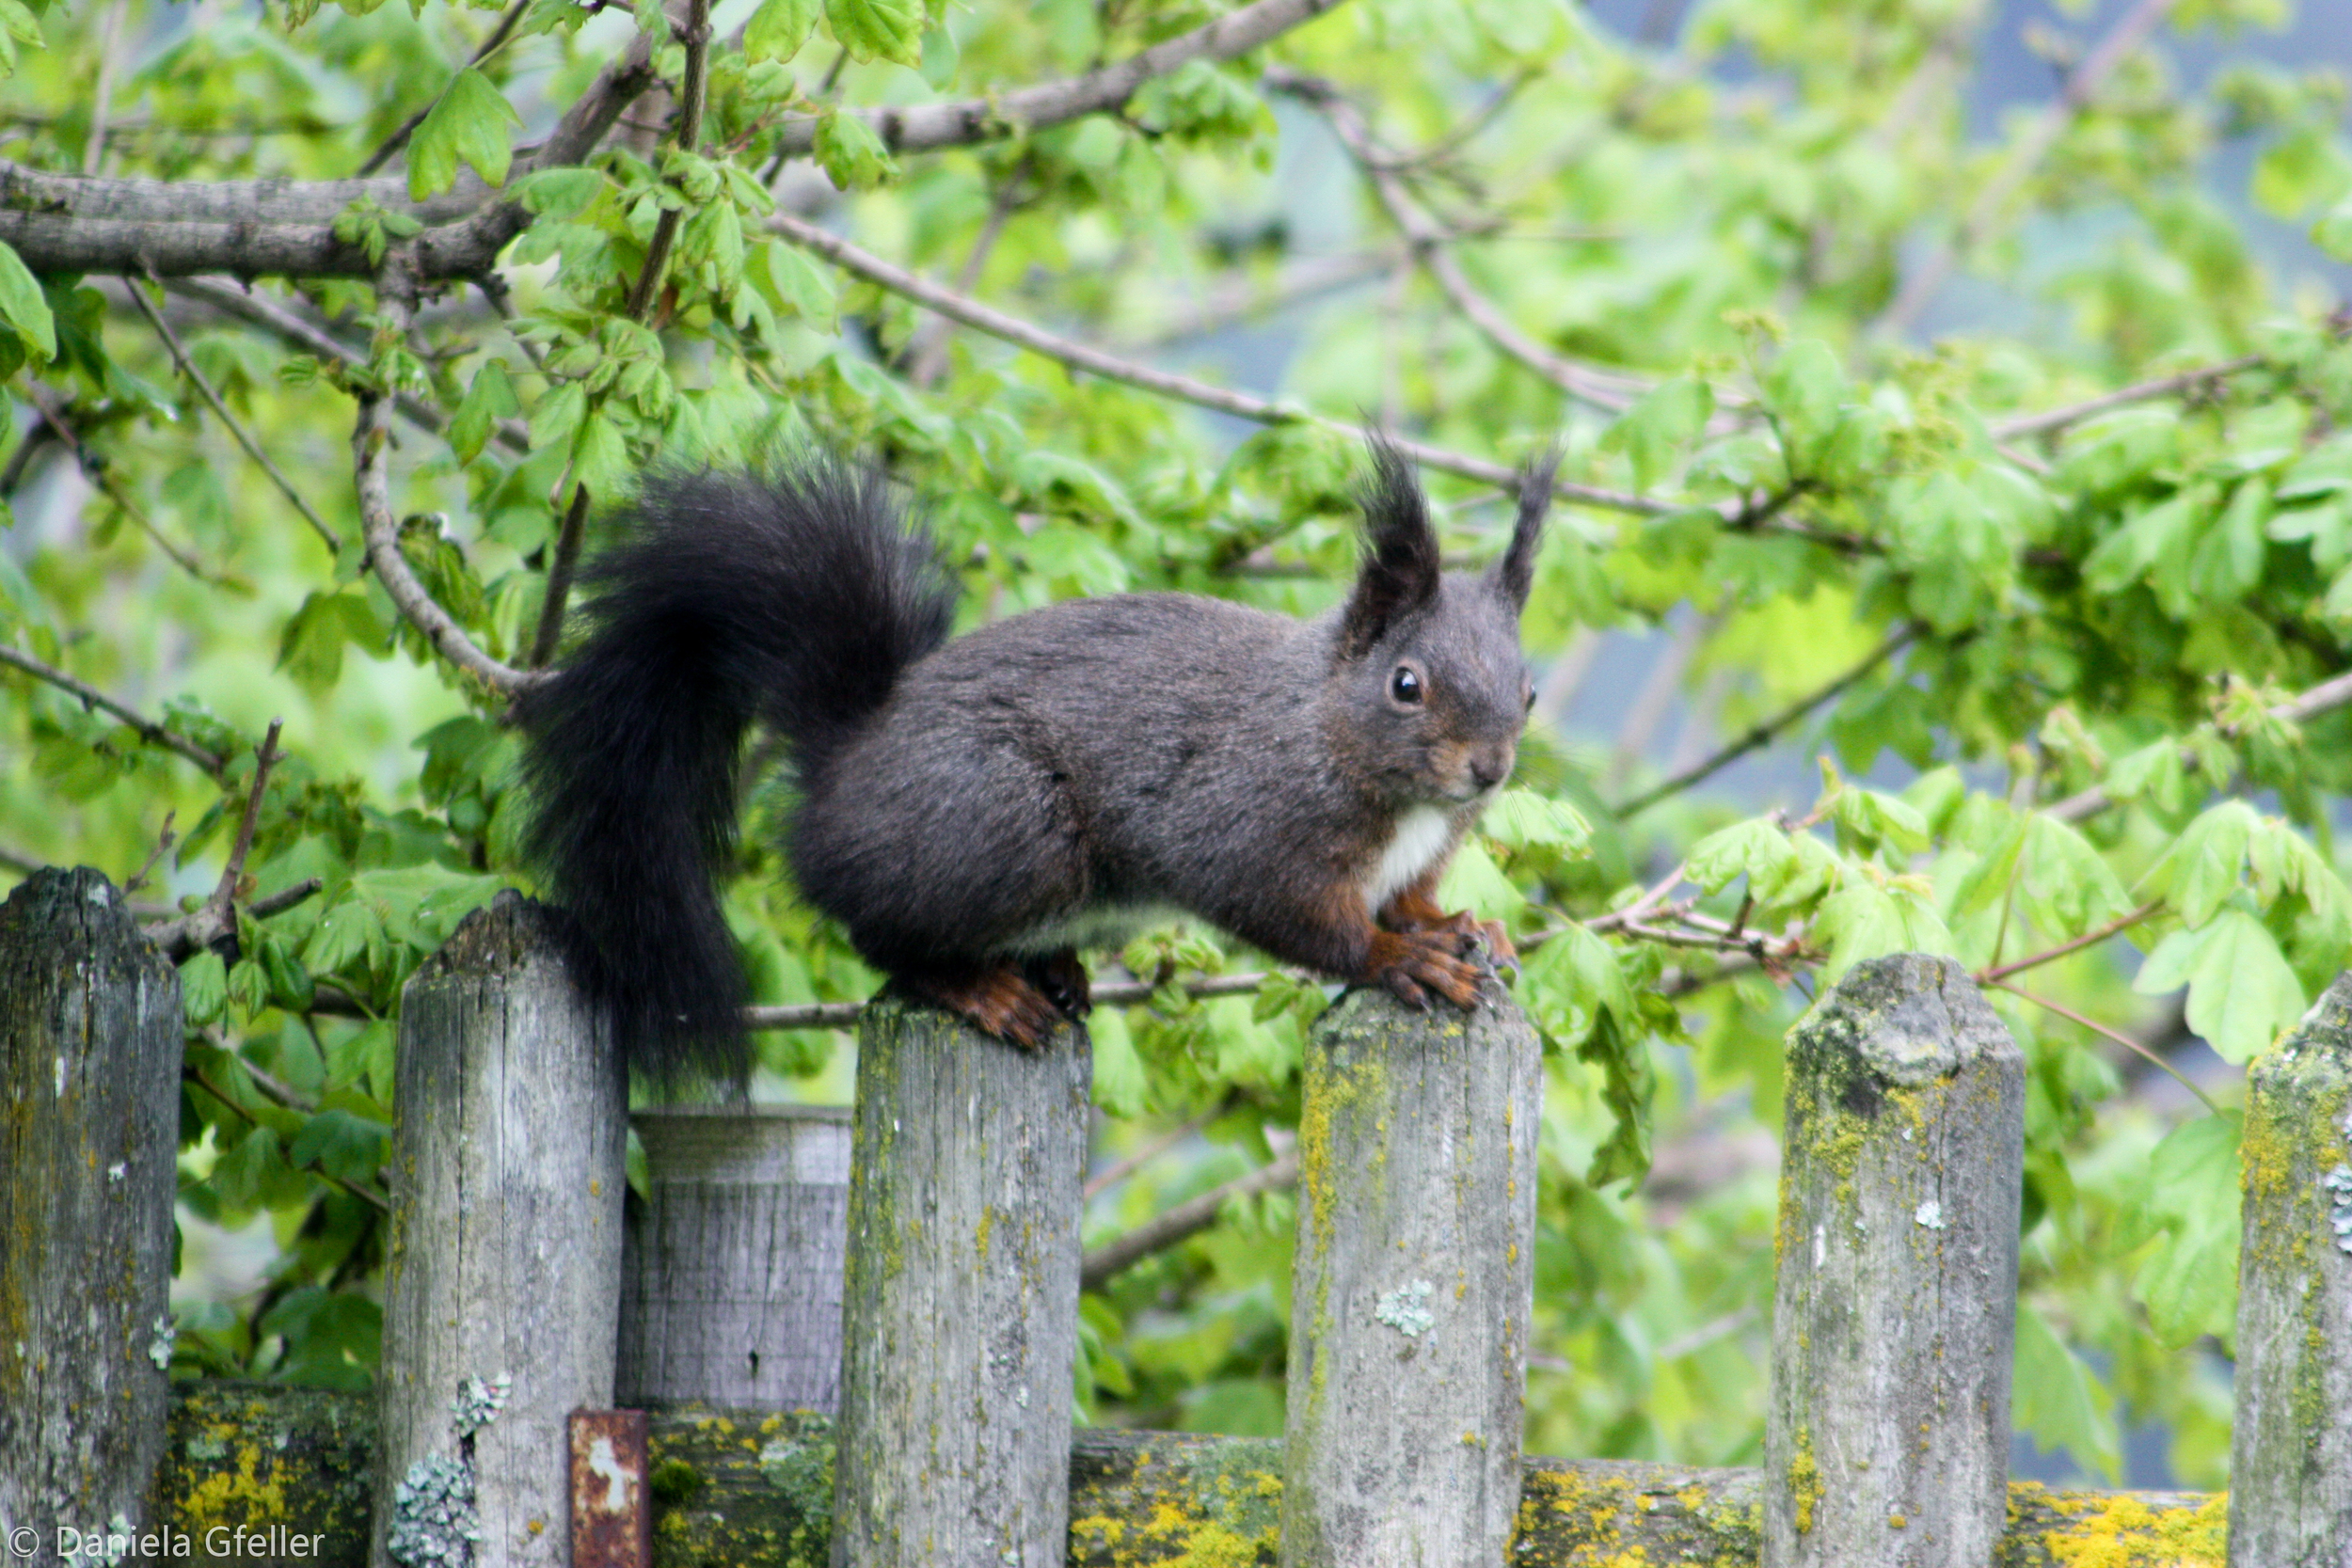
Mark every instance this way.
x=1404 y=685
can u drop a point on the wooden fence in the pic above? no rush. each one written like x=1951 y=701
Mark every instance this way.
x=933 y=1266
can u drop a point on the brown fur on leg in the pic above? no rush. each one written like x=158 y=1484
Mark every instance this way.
x=1413 y=909
x=1001 y=1001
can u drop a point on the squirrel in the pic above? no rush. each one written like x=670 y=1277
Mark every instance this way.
x=975 y=810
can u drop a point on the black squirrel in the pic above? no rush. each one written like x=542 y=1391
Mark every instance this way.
x=975 y=810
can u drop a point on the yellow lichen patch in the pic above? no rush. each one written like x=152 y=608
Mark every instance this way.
x=2124 y=1532
x=238 y=1494
x=1805 y=1482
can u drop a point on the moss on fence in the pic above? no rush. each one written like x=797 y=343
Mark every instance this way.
x=731 y=1488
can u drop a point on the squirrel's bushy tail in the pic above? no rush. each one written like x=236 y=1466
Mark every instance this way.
x=796 y=596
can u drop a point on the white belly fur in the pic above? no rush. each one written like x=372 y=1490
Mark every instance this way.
x=1422 y=836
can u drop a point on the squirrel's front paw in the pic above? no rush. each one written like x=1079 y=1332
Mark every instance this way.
x=1413 y=963
x=1002 y=1001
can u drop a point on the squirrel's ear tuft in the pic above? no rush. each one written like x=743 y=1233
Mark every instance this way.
x=1399 y=571
x=1515 y=572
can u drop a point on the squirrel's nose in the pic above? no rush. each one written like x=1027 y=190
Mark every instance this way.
x=1491 y=767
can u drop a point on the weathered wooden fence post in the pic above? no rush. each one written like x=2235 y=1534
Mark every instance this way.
x=1413 y=1284
x=90 y=1135
x=961 y=1322
x=2291 y=1443
x=502 y=1286
x=731 y=1274
x=1887 y=1436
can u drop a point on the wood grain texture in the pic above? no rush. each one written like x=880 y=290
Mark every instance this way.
x=2291 y=1441
x=508 y=1176
x=961 y=1323
x=731 y=1269
x=89 y=1123
x=1412 y=1286
x=1887 y=1434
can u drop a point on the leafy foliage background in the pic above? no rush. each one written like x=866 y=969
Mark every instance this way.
x=2082 y=590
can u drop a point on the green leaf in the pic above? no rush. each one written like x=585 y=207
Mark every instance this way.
x=2069 y=886
x=1804 y=388
x=1878 y=819
x=1667 y=418
x=491 y=399
x=470 y=123
x=851 y=155
x=203 y=987
x=877 y=29
x=2204 y=864
x=2189 y=1283
x=18 y=24
x=1862 y=919
x=340 y=1144
x=1520 y=818
x=2241 y=991
x=1758 y=849
x=22 y=304
x=2060 y=1402
x=778 y=28
x=1568 y=983
x=311 y=647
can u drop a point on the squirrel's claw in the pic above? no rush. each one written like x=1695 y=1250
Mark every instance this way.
x=1002 y=1001
x=1407 y=963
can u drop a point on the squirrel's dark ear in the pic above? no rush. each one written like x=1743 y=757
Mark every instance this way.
x=1515 y=572
x=1400 y=570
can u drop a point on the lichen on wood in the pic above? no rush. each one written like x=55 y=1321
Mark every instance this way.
x=1887 y=1433
x=90 y=1111
x=736 y=1487
x=2291 y=1441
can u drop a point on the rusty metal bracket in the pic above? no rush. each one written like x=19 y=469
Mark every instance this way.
x=611 y=1505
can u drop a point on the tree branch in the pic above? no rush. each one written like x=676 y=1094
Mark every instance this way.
x=61 y=223
x=370 y=443
x=232 y=298
x=1162 y=382
x=1431 y=246
x=1033 y=108
x=91 y=697
x=1765 y=729
x=2325 y=697
x=844 y=1015
x=68 y=223
x=2082 y=85
x=236 y=426
x=2163 y=386
x=1187 y=1219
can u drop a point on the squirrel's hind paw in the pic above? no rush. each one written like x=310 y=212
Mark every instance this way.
x=1002 y=1001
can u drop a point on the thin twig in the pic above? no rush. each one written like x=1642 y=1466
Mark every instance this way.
x=1610 y=391
x=92 y=698
x=1187 y=1219
x=844 y=1015
x=1994 y=976
x=1764 y=729
x=163 y=841
x=1110 y=367
x=100 y=476
x=1121 y=1170
x=375 y=1199
x=370 y=441
x=2328 y=695
x=2074 y=98
x=2116 y=1035
x=562 y=564
x=2144 y=391
x=109 y=36
x=236 y=426
x=399 y=139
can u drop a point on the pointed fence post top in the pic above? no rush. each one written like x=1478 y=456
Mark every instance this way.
x=1907 y=1018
